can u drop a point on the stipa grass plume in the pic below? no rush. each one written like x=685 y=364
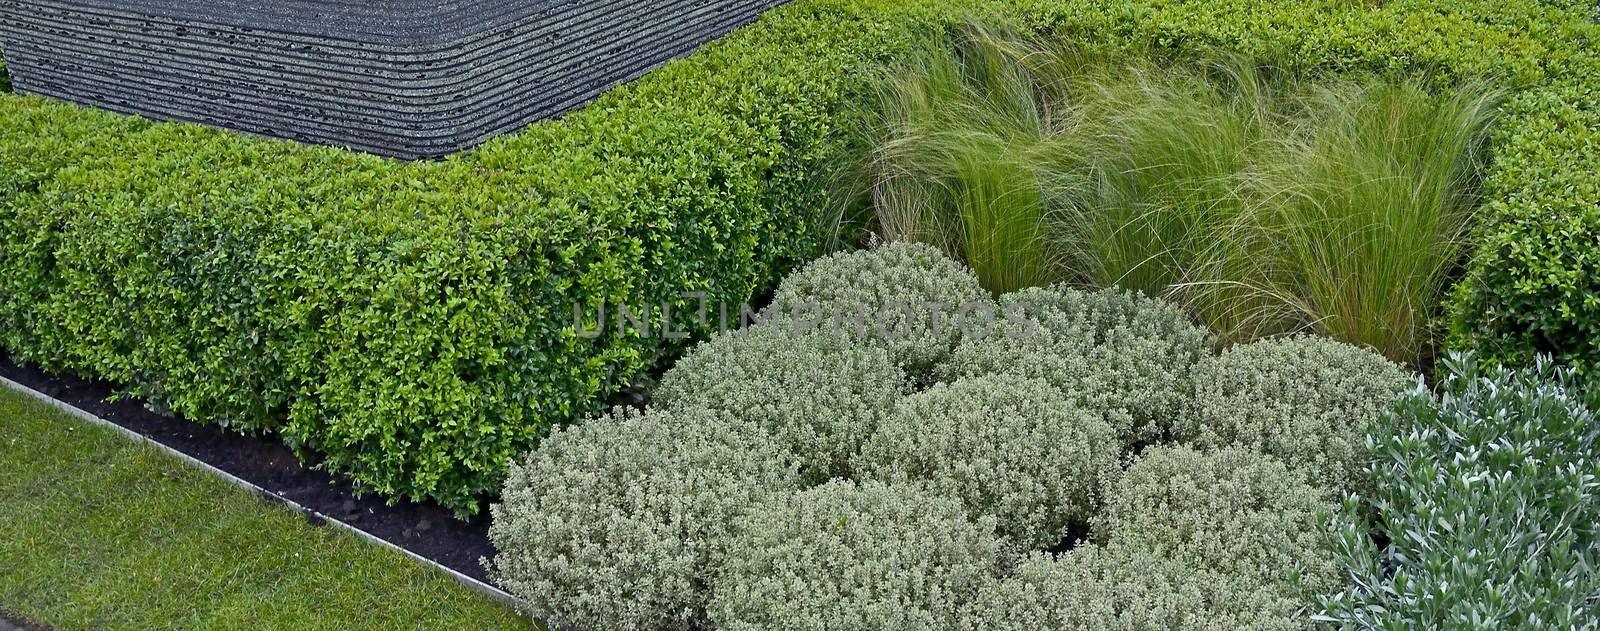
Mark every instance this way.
x=1155 y=186
x=1264 y=201
x=957 y=155
x=1366 y=210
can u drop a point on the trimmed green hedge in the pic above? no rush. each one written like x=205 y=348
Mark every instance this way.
x=1534 y=286
x=412 y=323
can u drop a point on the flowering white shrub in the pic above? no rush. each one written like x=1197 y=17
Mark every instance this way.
x=1118 y=587
x=1233 y=510
x=611 y=524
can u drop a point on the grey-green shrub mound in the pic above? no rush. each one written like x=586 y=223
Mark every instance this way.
x=611 y=524
x=906 y=297
x=1488 y=492
x=1232 y=510
x=843 y=557
x=1307 y=401
x=1117 y=587
x=1123 y=354
x=1008 y=447
x=819 y=396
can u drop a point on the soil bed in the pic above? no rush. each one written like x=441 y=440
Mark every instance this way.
x=10 y=624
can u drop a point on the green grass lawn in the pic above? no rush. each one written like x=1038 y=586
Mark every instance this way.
x=98 y=532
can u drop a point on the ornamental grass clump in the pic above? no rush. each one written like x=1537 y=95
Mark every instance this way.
x=1150 y=193
x=1265 y=200
x=958 y=143
x=1123 y=355
x=907 y=298
x=1013 y=449
x=612 y=524
x=847 y=556
x=1368 y=200
x=819 y=396
x=1306 y=401
x=1488 y=495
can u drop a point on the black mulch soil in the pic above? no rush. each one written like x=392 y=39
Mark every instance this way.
x=12 y=624
x=425 y=529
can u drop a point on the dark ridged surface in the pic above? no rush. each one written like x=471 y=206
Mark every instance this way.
x=402 y=78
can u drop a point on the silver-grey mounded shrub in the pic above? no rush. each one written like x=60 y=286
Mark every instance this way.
x=818 y=395
x=611 y=524
x=1127 y=356
x=1232 y=510
x=1117 y=587
x=1307 y=401
x=906 y=297
x=842 y=557
x=1488 y=492
x=1012 y=448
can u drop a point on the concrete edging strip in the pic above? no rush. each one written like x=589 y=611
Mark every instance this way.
x=470 y=582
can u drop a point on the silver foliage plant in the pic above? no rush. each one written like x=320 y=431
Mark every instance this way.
x=611 y=524
x=843 y=557
x=1307 y=401
x=1488 y=491
x=819 y=396
x=1231 y=510
x=908 y=298
x=1190 y=540
x=1008 y=447
x=1121 y=587
x=798 y=478
x=1121 y=354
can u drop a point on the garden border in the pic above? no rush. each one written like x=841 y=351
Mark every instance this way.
x=430 y=308
x=310 y=514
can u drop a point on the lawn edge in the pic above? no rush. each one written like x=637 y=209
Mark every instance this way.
x=311 y=514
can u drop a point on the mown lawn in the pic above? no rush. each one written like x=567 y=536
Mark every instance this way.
x=98 y=532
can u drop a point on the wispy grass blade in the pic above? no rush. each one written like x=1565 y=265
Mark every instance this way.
x=1261 y=200
x=1367 y=209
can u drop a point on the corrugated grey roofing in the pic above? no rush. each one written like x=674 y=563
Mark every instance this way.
x=420 y=102
x=389 y=22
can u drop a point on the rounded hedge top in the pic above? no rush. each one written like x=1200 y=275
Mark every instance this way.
x=819 y=396
x=906 y=297
x=1232 y=510
x=1117 y=587
x=1123 y=354
x=1307 y=401
x=1008 y=447
x=611 y=524
x=841 y=557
